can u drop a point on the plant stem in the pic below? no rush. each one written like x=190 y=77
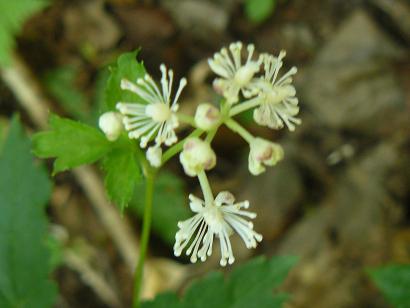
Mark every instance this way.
x=206 y=188
x=146 y=226
x=234 y=126
x=186 y=119
x=244 y=106
x=211 y=134
x=178 y=147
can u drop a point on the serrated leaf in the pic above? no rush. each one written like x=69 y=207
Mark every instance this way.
x=129 y=68
x=24 y=258
x=259 y=10
x=210 y=291
x=261 y=277
x=169 y=207
x=71 y=143
x=394 y=282
x=60 y=83
x=12 y=17
x=122 y=173
x=249 y=285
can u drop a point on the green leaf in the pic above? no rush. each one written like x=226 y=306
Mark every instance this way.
x=249 y=285
x=71 y=143
x=55 y=247
x=24 y=258
x=259 y=10
x=170 y=205
x=4 y=123
x=12 y=17
x=394 y=282
x=60 y=83
x=209 y=291
x=122 y=172
x=129 y=68
x=165 y=300
x=261 y=278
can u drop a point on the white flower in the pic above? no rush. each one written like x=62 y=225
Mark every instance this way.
x=278 y=104
x=154 y=156
x=196 y=156
x=207 y=116
x=156 y=116
x=111 y=124
x=220 y=219
x=263 y=153
x=235 y=75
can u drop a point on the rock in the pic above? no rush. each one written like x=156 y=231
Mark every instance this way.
x=351 y=84
x=202 y=19
x=350 y=230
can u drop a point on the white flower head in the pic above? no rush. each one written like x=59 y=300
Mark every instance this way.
x=111 y=125
x=278 y=104
x=156 y=117
x=235 y=76
x=207 y=116
x=196 y=156
x=154 y=156
x=263 y=153
x=219 y=219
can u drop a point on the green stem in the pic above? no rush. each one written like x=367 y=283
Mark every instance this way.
x=206 y=188
x=178 y=147
x=186 y=119
x=211 y=134
x=244 y=106
x=234 y=126
x=146 y=226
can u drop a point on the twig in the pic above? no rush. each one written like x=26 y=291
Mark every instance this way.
x=91 y=278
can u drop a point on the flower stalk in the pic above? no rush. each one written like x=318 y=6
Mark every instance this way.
x=146 y=228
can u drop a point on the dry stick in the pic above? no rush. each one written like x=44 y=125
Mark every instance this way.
x=91 y=277
x=28 y=92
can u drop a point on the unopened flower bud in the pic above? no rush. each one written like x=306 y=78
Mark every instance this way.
x=206 y=116
x=111 y=124
x=263 y=153
x=154 y=156
x=196 y=156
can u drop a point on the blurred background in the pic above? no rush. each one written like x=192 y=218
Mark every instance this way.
x=339 y=200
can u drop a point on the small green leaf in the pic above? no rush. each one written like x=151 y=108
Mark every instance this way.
x=71 y=143
x=249 y=285
x=122 y=173
x=12 y=17
x=129 y=68
x=60 y=83
x=24 y=257
x=394 y=282
x=259 y=10
x=170 y=205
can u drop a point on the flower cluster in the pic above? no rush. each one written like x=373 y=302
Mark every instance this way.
x=255 y=83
